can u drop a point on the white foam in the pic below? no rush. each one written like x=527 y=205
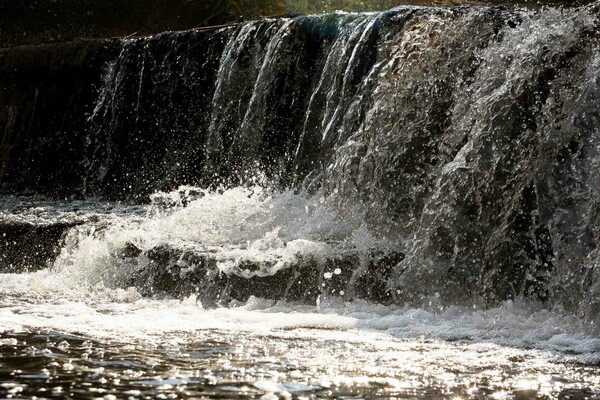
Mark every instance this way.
x=122 y=315
x=235 y=225
x=84 y=291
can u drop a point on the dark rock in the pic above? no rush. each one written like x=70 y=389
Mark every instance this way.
x=180 y=273
x=129 y=251
x=28 y=247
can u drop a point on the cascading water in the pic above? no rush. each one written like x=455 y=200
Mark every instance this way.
x=418 y=173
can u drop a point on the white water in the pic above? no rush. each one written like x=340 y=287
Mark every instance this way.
x=84 y=293
x=123 y=315
x=235 y=225
x=362 y=347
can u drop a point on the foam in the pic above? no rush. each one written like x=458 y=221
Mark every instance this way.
x=272 y=229
x=84 y=291
x=123 y=315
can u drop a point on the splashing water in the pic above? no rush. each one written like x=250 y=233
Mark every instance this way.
x=425 y=224
x=92 y=335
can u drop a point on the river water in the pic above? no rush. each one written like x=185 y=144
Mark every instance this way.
x=122 y=346
x=382 y=205
x=75 y=330
x=129 y=347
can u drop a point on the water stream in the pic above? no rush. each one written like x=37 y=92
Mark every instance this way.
x=384 y=205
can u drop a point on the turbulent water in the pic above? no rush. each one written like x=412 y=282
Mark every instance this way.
x=400 y=204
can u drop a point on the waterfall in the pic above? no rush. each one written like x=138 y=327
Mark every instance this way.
x=402 y=156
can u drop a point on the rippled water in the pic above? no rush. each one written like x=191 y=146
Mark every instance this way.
x=129 y=347
x=305 y=363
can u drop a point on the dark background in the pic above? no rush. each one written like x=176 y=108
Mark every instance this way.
x=26 y=22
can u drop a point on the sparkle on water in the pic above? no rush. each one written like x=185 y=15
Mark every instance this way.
x=65 y=334
x=77 y=330
x=112 y=344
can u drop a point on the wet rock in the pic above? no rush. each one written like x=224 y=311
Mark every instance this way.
x=129 y=251
x=29 y=247
x=168 y=271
